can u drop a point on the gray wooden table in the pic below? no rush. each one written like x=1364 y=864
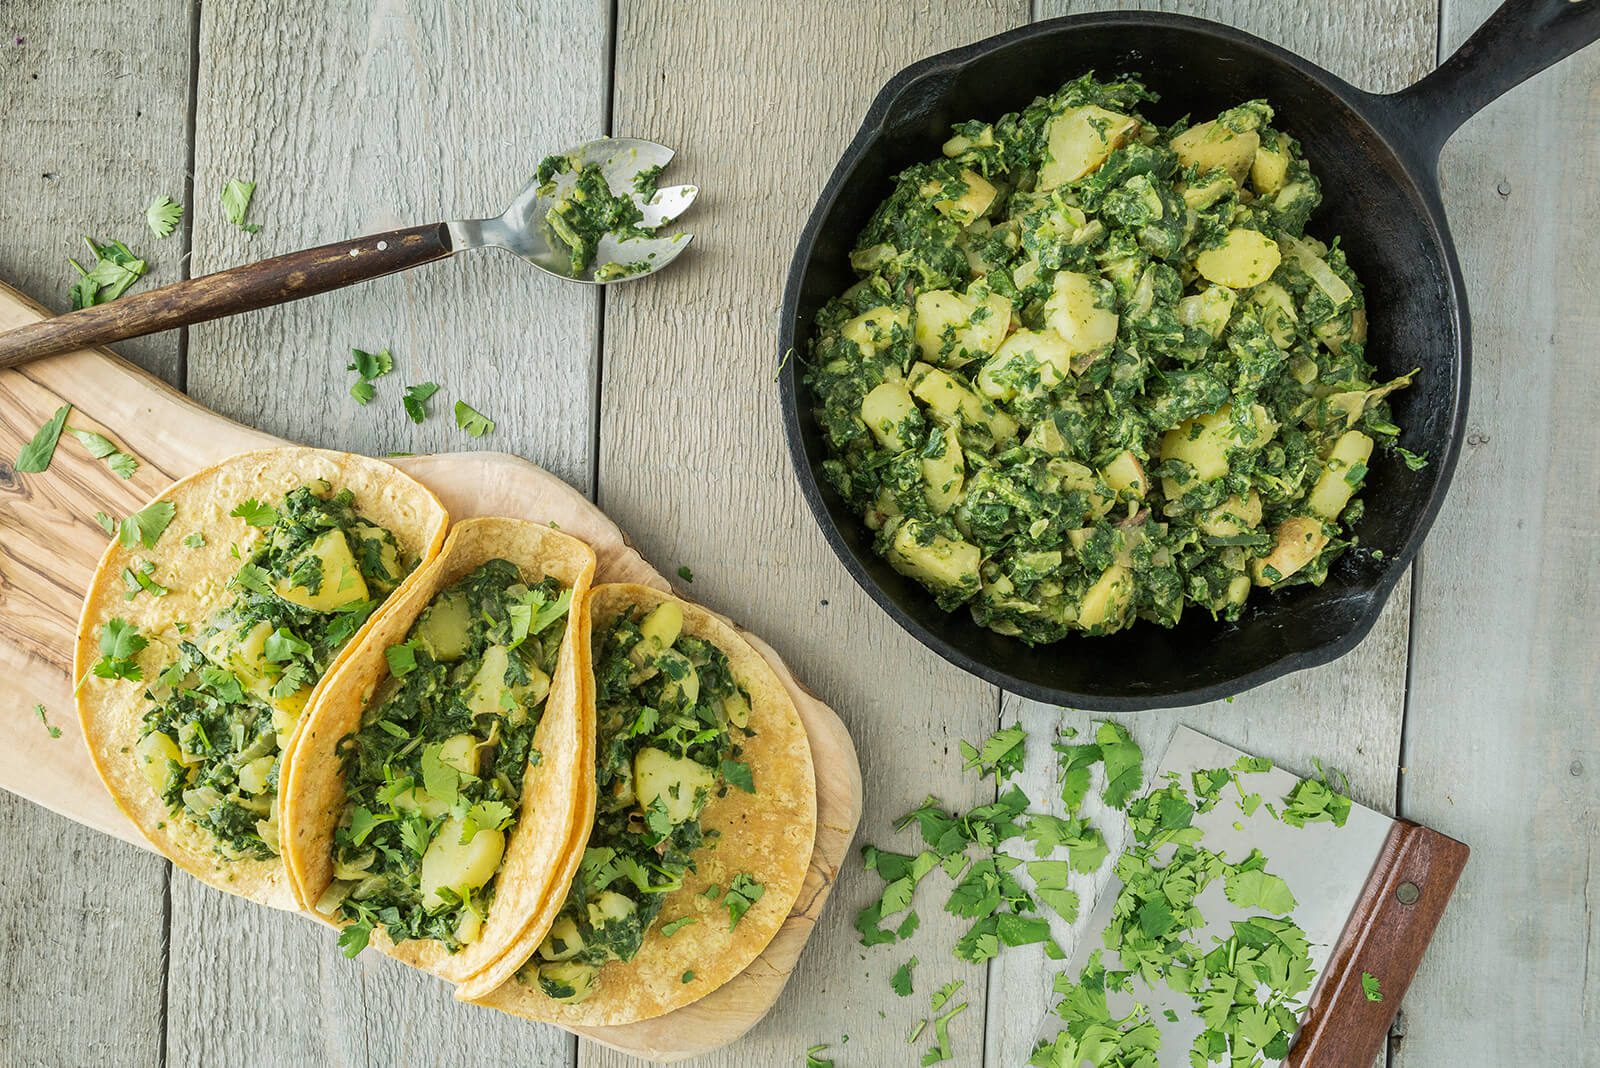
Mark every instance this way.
x=1474 y=706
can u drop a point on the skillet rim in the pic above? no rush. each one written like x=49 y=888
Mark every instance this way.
x=1380 y=116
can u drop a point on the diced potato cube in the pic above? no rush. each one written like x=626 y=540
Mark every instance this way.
x=568 y=980
x=972 y=202
x=1212 y=146
x=1269 y=168
x=1207 y=450
x=610 y=907
x=951 y=330
x=885 y=409
x=1245 y=258
x=488 y=682
x=155 y=751
x=1296 y=543
x=1334 y=489
x=253 y=774
x=736 y=709
x=1125 y=474
x=681 y=682
x=443 y=627
x=1106 y=603
x=462 y=867
x=1210 y=309
x=1233 y=516
x=469 y=927
x=943 y=475
x=460 y=751
x=341 y=583
x=563 y=942
x=874 y=328
x=417 y=799
x=950 y=402
x=1026 y=353
x=661 y=625
x=682 y=785
x=945 y=563
x=1072 y=313
x=1079 y=140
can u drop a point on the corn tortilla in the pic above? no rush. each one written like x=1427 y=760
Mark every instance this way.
x=557 y=796
x=769 y=834
x=111 y=710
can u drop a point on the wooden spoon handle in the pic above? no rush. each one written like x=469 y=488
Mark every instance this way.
x=241 y=289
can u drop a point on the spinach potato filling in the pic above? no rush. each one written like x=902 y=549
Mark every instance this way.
x=587 y=210
x=1094 y=370
x=434 y=775
x=227 y=704
x=669 y=712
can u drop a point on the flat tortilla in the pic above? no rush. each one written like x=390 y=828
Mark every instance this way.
x=768 y=834
x=557 y=796
x=112 y=710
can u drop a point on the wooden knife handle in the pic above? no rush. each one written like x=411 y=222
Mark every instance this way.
x=255 y=285
x=1385 y=936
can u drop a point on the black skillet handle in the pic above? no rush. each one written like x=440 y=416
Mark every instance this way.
x=1518 y=41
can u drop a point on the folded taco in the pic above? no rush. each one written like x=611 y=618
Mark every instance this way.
x=438 y=784
x=703 y=830
x=214 y=620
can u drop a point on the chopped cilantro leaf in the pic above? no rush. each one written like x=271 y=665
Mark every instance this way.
x=102 y=448
x=684 y=573
x=115 y=269
x=737 y=773
x=1001 y=754
x=1371 y=987
x=54 y=731
x=236 y=197
x=256 y=513
x=900 y=983
x=672 y=927
x=37 y=454
x=146 y=526
x=742 y=893
x=474 y=422
x=416 y=400
x=120 y=643
x=162 y=216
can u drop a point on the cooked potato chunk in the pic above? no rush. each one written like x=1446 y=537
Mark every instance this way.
x=952 y=403
x=1295 y=543
x=340 y=582
x=946 y=563
x=461 y=867
x=874 y=328
x=1108 y=600
x=1212 y=146
x=1072 y=313
x=953 y=329
x=1079 y=140
x=885 y=410
x=1029 y=360
x=681 y=784
x=1335 y=487
x=970 y=204
x=1269 y=168
x=443 y=627
x=1245 y=258
x=943 y=475
x=567 y=980
x=1233 y=516
x=1125 y=474
x=488 y=682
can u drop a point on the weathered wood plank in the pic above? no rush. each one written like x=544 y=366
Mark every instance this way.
x=96 y=121
x=373 y=115
x=96 y=112
x=1503 y=727
x=692 y=460
x=1347 y=714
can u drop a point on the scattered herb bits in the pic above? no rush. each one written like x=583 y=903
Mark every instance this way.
x=236 y=197
x=163 y=216
x=115 y=269
x=474 y=422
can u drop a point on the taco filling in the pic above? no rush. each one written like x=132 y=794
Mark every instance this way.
x=671 y=717
x=226 y=705
x=434 y=775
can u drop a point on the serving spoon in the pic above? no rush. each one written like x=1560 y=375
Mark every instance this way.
x=521 y=229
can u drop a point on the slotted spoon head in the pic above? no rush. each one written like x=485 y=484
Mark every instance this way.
x=525 y=229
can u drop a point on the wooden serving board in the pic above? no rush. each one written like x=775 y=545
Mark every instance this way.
x=50 y=544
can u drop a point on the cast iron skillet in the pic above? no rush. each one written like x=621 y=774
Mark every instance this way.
x=1377 y=157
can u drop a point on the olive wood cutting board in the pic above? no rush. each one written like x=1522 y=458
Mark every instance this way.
x=50 y=545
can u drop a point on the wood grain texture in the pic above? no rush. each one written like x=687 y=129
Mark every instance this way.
x=388 y=113
x=1503 y=727
x=373 y=115
x=1386 y=937
x=1347 y=714
x=95 y=114
x=248 y=287
x=176 y=438
x=692 y=457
